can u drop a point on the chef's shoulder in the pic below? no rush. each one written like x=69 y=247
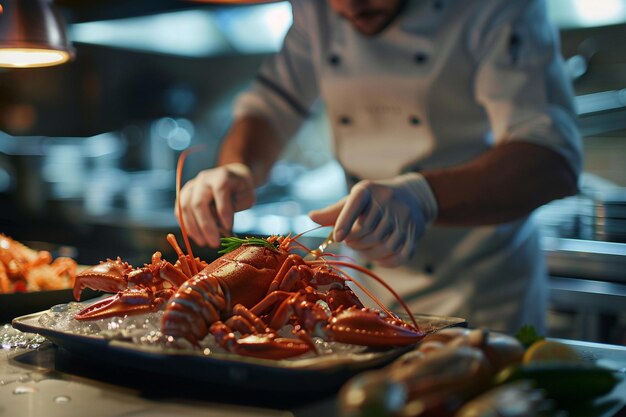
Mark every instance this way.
x=490 y=13
x=486 y=20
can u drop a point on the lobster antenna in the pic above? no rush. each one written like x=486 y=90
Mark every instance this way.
x=179 y=174
x=301 y=245
x=308 y=231
x=379 y=280
x=366 y=291
x=304 y=247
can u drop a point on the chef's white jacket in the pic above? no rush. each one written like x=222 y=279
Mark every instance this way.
x=445 y=82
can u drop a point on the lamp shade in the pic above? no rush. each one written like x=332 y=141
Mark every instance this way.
x=234 y=2
x=32 y=34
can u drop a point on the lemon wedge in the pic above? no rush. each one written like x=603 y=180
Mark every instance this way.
x=550 y=351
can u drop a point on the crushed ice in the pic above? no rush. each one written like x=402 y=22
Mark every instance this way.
x=11 y=338
x=145 y=329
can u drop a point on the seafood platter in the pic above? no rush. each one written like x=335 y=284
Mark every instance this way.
x=259 y=308
x=34 y=276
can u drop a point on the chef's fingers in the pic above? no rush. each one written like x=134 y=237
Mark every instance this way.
x=405 y=252
x=183 y=213
x=223 y=199
x=356 y=203
x=382 y=250
x=381 y=232
x=327 y=216
x=186 y=214
x=234 y=191
x=365 y=225
x=204 y=218
x=391 y=246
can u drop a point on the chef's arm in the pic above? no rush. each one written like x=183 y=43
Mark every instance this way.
x=501 y=185
x=253 y=142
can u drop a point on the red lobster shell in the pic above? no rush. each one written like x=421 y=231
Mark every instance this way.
x=253 y=290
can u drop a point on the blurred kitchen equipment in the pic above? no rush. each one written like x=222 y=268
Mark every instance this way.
x=607 y=219
x=32 y=34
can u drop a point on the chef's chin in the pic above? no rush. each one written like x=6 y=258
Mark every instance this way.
x=370 y=25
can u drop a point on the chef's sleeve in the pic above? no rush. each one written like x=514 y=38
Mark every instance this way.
x=521 y=81
x=285 y=87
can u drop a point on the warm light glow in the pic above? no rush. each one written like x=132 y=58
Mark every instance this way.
x=596 y=13
x=194 y=33
x=587 y=13
x=30 y=58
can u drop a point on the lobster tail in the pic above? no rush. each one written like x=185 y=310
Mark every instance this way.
x=197 y=304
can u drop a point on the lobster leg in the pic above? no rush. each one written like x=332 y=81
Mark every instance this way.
x=269 y=301
x=294 y=271
x=155 y=274
x=310 y=314
x=266 y=345
x=252 y=322
x=358 y=326
x=288 y=274
x=258 y=340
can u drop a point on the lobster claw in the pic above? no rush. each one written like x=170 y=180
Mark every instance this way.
x=127 y=302
x=365 y=327
x=109 y=276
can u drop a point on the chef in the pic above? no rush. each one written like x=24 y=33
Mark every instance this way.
x=453 y=120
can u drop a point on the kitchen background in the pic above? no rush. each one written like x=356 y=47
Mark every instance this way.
x=88 y=149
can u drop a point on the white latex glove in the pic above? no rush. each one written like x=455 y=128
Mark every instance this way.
x=209 y=201
x=383 y=219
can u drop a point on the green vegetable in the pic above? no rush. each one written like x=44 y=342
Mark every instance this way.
x=527 y=335
x=562 y=381
x=229 y=244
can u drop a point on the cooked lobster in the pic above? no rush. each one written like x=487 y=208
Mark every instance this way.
x=245 y=296
x=24 y=269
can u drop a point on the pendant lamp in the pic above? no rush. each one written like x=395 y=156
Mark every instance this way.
x=234 y=2
x=32 y=34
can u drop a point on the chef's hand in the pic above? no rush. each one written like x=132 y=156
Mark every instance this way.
x=209 y=201
x=383 y=219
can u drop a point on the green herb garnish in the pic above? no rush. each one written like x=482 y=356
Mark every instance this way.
x=527 y=335
x=229 y=244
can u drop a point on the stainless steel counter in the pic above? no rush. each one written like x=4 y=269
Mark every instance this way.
x=588 y=287
x=47 y=381
x=586 y=259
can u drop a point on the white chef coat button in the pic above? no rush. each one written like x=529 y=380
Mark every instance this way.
x=345 y=120
x=438 y=4
x=334 y=59
x=420 y=58
x=414 y=120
